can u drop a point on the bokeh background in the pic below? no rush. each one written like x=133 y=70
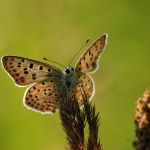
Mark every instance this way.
x=56 y=30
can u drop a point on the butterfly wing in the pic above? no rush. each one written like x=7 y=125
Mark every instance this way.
x=84 y=87
x=25 y=71
x=88 y=62
x=42 y=97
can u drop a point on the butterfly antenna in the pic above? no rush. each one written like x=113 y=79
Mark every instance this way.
x=54 y=62
x=78 y=51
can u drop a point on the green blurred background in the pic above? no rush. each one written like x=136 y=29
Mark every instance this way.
x=56 y=30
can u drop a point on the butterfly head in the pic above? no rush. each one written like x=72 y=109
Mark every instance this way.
x=69 y=70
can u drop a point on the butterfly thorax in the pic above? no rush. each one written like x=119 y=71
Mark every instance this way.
x=70 y=78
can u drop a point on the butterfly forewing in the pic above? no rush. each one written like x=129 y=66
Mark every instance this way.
x=88 y=62
x=26 y=71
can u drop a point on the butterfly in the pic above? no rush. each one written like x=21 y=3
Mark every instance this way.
x=47 y=84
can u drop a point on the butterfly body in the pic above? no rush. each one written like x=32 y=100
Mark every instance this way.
x=47 y=84
x=70 y=78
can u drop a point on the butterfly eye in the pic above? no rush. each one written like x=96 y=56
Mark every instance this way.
x=67 y=71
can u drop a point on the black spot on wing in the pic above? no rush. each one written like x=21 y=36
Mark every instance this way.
x=31 y=65
x=87 y=65
x=40 y=68
x=34 y=76
x=26 y=72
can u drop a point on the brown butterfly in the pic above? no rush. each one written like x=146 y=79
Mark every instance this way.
x=46 y=83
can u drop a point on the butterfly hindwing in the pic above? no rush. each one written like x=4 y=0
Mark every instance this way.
x=26 y=71
x=84 y=87
x=42 y=97
x=88 y=62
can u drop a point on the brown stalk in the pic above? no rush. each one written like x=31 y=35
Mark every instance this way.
x=74 y=119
